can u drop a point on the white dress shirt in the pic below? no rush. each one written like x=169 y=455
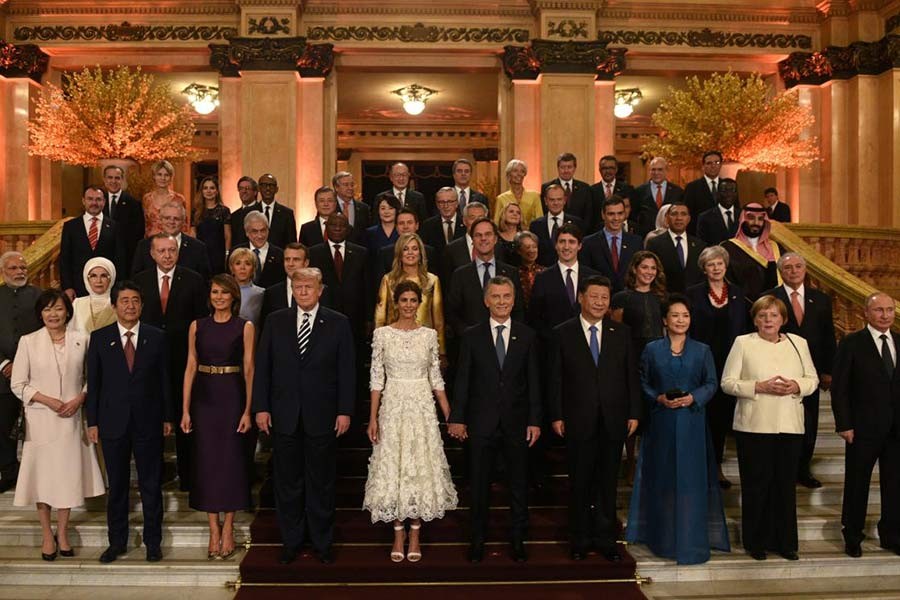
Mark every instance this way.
x=682 y=243
x=290 y=291
x=263 y=253
x=400 y=195
x=322 y=221
x=563 y=269
x=348 y=211
x=469 y=243
x=262 y=209
x=561 y=220
x=587 y=331
x=506 y=324
x=134 y=338
x=724 y=210
x=87 y=223
x=343 y=246
x=709 y=183
x=800 y=290
x=312 y=316
x=468 y=191
x=159 y=278
x=876 y=336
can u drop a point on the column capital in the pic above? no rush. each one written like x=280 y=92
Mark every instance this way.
x=272 y=54
x=23 y=60
x=548 y=56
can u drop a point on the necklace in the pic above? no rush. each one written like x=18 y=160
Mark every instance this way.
x=719 y=298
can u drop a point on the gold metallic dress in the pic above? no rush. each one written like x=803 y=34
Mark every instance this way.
x=430 y=313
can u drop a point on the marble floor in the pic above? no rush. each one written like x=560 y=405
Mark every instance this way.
x=820 y=588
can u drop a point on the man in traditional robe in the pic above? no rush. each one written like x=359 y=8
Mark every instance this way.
x=753 y=255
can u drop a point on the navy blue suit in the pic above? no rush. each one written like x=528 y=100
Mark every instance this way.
x=595 y=253
x=129 y=409
x=304 y=396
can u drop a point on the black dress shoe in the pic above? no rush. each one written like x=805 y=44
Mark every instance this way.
x=7 y=483
x=325 y=556
x=895 y=549
x=577 y=553
x=724 y=484
x=287 y=556
x=853 y=550
x=758 y=555
x=154 y=554
x=789 y=555
x=517 y=552
x=67 y=553
x=111 y=554
x=809 y=481
x=476 y=553
x=612 y=555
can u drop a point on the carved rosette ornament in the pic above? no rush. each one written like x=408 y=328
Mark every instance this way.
x=841 y=62
x=24 y=60
x=546 y=56
x=272 y=54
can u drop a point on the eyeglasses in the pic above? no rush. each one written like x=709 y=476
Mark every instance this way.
x=713 y=162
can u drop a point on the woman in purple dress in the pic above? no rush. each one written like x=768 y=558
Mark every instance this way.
x=217 y=393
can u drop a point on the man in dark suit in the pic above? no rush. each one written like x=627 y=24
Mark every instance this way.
x=579 y=197
x=447 y=225
x=172 y=298
x=462 y=177
x=497 y=407
x=313 y=232
x=608 y=186
x=407 y=222
x=700 y=194
x=248 y=191
x=192 y=253
x=279 y=295
x=303 y=393
x=810 y=316
x=720 y=222
x=678 y=251
x=17 y=300
x=547 y=227
x=125 y=210
x=778 y=210
x=86 y=237
x=649 y=197
x=130 y=408
x=358 y=214
x=595 y=404
x=269 y=257
x=282 y=224
x=610 y=250
x=399 y=176
x=465 y=306
x=865 y=398
x=461 y=251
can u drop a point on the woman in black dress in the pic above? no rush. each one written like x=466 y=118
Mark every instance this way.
x=217 y=394
x=510 y=226
x=212 y=223
x=720 y=315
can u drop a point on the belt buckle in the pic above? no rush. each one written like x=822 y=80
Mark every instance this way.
x=218 y=370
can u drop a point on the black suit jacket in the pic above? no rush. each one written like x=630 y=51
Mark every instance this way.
x=465 y=305
x=703 y=324
x=678 y=278
x=310 y=391
x=487 y=397
x=191 y=255
x=352 y=294
x=275 y=298
x=581 y=201
x=711 y=227
x=116 y=398
x=273 y=267
x=411 y=199
x=699 y=199
x=644 y=209
x=128 y=214
x=238 y=236
x=363 y=220
x=432 y=233
x=780 y=212
x=596 y=255
x=864 y=397
x=311 y=233
x=282 y=225
x=549 y=305
x=580 y=392
x=817 y=327
x=546 y=247
x=17 y=308
x=75 y=251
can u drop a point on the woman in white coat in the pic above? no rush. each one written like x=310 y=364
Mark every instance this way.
x=59 y=466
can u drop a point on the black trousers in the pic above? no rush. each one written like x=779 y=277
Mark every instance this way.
x=859 y=461
x=768 y=468
x=305 y=470
x=810 y=433
x=148 y=458
x=483 y=452
x=593 y=469
x=720 y=416
x=10 y=407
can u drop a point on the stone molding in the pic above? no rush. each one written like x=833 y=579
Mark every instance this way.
x=123 y=32
x=705 y=38
x=269 y=25
x=272 y=54
x=548 y=56
x=417 y=33
x=841 y=62
x=23 y=60
x=74 y=7
x=892 y=23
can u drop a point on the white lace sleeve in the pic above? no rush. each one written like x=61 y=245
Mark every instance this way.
x=376 y=373
x=434 y=373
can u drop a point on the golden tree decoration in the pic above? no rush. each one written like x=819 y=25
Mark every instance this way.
x=738 y=117
x=120 y=114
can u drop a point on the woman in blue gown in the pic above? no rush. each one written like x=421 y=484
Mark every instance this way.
x=676 y=507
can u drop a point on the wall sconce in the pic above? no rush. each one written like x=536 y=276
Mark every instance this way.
x=626 y=100
x=414 y=97
x=203 y=98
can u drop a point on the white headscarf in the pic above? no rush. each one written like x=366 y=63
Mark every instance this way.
x=99 y=261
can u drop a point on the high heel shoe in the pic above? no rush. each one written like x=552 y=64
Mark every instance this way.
x=52 y=556
x=414 y=556
x=397 y=556
x=226 y=555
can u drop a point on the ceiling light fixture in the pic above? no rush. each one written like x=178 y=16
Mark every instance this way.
x=414 y=97
x=626 y=100
x=204 y=98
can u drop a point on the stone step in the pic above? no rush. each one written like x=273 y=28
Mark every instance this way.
x=886 y=587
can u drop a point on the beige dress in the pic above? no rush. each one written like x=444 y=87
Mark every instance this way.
x=59 y=466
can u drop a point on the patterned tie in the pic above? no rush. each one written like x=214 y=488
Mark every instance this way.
x=448 y=231
x=303 y=334
x=400 y=198
x=798 y=308
x=338 y=262
x=570 y=287
x=614 y=250
x=500 y=346
x=554 y=233
x=93 y=233
x=164 y=293
x=129 y=350
x=608 y=191
x=680 y=250
x=886 y=355
x=595 y=345
x=486 y=279
x=568 y=189
x=659 y=196
x=462 y=198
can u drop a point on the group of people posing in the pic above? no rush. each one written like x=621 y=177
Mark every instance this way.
x=597 y=314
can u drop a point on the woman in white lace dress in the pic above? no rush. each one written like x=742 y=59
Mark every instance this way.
x=409 y=477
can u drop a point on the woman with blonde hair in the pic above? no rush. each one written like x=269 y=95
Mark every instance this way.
x=243 y=264
x=159 y=196
x=411 y=264
x=510 y=225
x=529 y=201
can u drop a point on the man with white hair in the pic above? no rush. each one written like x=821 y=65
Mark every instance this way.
x=192 y=253
x=269 y=258
x=649 y=197
x=17 y=300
